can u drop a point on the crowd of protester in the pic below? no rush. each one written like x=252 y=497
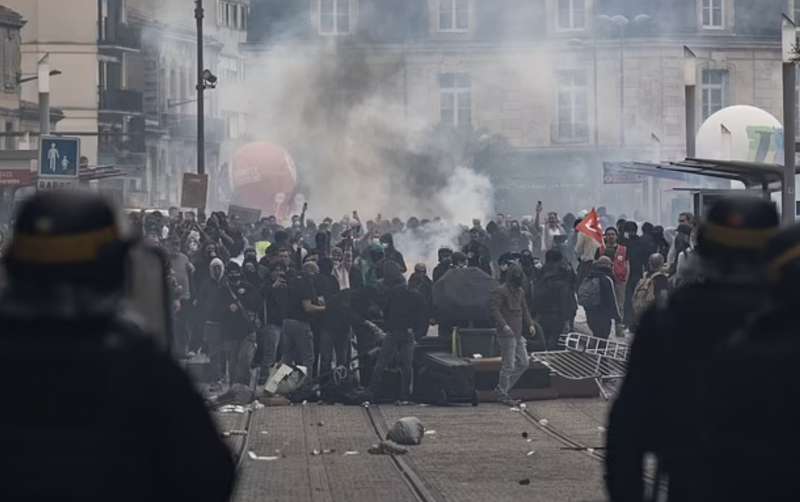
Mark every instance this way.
x=249 y=295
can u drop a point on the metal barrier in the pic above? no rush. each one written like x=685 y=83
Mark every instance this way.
x=587 y=357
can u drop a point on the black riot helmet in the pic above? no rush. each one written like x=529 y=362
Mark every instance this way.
x=736 y=230
x=69 y=238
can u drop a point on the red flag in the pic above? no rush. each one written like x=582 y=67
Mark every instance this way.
x=590 y=226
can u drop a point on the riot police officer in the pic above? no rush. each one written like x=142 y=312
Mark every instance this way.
x=751 y=398
x=656 y=410
x=95 y=410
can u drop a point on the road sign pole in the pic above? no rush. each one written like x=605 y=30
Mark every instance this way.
x=44 y=98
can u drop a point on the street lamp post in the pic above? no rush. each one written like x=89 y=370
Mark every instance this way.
x=201 y=137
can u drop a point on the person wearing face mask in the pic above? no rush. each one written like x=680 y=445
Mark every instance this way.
x=391 y=253
x=509 y=310
x=244 y=316
x=211 y=307
x=422 y=284
x=342 y=262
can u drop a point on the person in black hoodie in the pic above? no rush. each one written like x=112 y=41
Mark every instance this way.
x=276 y=298
x=596 y=294
x=422 y=284
x=445 y=263
x=391 y=253
x=327 y=287
x=554 y=298
x=403 y=311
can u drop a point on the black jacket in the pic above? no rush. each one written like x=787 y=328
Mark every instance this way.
x=554 y=294
x=608 y=300
x=403 y=309
x=655 y=410
x=99 y=414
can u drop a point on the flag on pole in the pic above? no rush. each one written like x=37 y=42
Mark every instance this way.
x=590 y=226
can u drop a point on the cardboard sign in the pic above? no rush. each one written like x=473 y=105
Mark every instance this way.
x=245 y=215
x=194 y=190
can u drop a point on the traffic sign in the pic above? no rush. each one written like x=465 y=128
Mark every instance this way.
x=59 y=161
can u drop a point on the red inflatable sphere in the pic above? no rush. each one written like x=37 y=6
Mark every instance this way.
x=264 y=177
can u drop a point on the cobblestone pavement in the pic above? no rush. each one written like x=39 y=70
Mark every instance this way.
x=475 y=454
x=292 y=433
x=480 y=454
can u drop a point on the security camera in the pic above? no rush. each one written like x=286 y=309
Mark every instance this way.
x=209 y=79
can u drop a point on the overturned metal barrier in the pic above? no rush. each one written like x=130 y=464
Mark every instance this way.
x=586 y=357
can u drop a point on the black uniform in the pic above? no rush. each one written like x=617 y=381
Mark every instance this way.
x=656 y=410
x=97 y=413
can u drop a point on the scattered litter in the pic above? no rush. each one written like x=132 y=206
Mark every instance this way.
x=350 y=452
x=232 y=408
x=253 y=456
x=315 y=452
x=544 y=422
x=304 y=402
x=514 y=409
x=407 y=431
x=531 y=452
x=530 y=440
x=326 y=451
x=265 y=432
x=228 y=434
x=525 y=435
x=590 y=450
x=601 y=428
x=523 y=406
x=257 y=405
x=477 y=356
x=525 y=481
x=423 y=405
x=430 y=433
x=320 y=424
x=365 y=404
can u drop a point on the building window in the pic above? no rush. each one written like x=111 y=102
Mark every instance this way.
x=713 y=14
x=334 y=17
x=456 y=99
x=573 y=110
x=231 y=15
x=453 y=15
x=715 y=91
x=571 y=14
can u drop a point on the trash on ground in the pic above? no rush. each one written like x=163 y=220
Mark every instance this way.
x=525 y=435
x=350 y=452
x=253 y=456
x=601 y=428
x=264 y=432
x=477 y=356
x=231 y=408
x=544 y=422
x=525 y=481
x=430 y=432
x=387 y=448
x=407 y=431
x=320 y=424
x=514 y=409
x=234 y=433
x=531 y=452
x=522 y=406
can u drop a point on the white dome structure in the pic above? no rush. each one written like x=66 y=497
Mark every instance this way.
x=741 y=133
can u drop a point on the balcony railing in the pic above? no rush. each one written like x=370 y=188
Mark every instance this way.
x=120 y=36
x=120 y=100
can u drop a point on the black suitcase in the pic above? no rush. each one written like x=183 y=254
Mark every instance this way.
x=442 y=378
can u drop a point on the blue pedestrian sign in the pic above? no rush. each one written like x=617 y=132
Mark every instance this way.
x=59 y=161
x=59 y=156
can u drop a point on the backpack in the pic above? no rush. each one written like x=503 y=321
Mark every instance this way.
x=645 y=293
x=589 y=293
